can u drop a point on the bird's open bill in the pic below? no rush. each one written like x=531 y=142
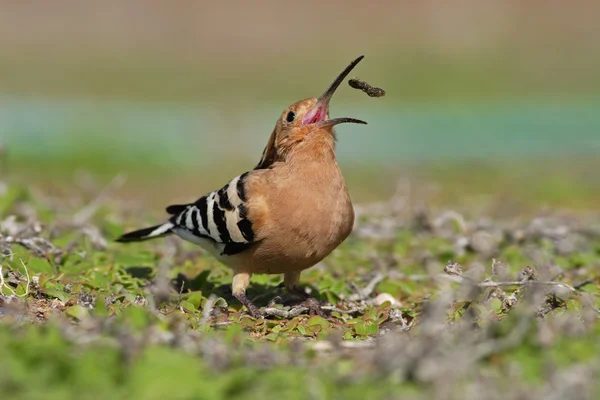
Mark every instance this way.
x=335 y=121
x=319 y=114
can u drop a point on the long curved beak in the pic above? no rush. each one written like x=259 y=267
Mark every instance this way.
x=319 y=114
x=335 y=121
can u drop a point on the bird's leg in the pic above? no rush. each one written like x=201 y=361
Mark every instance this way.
x=241 y=280
x=252 y=309
x=291 y=281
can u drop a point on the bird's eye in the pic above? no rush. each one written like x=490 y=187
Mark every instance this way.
x=290 y=116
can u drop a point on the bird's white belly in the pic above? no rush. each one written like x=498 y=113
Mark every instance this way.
x=214 y=248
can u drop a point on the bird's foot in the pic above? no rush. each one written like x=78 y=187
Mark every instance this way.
x=252 y=309
x=313 y=305
x=298 y=299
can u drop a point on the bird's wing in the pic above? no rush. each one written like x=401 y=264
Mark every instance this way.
x=220 y=216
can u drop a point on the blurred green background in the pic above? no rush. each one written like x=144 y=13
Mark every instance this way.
x=496 y=99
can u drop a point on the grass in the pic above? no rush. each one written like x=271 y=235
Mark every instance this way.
x=83 y=317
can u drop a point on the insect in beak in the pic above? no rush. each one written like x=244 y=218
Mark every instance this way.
x=319 y=113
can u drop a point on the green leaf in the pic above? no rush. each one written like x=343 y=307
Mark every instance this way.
x=220 y=302
x=273 y=336
x=247 y=321
x=382 y=312
x=137 y=317
x=291 y=324
x=78 y=312
x=370 y=314
x=195 y=298
x=59 y=294
x=100 y=280
x=37 y=265
x=366 y=328
x=348 y=335
x=187 y=306
x=302 y=330
x=496 y=305
x=313 y=330
x=317 y=320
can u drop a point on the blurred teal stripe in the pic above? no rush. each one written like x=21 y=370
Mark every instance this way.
x=58 y=128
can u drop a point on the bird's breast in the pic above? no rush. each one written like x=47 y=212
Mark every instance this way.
x=311 y=216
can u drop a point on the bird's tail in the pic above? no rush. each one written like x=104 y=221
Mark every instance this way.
x=147 y=233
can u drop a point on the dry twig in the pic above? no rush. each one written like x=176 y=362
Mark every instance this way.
x=291 y=313
x=362 y=294
x=208 y=307
x=489 y=284
x=4 y=285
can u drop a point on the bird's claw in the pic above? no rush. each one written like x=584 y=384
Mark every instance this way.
x=255 y=313
x=252 y=309
x=314 y=307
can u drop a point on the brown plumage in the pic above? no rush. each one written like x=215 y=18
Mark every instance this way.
x=284 y=216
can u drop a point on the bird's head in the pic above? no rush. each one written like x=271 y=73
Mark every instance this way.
x=303 y=119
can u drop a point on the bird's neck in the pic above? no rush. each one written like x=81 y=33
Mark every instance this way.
x=317 y=147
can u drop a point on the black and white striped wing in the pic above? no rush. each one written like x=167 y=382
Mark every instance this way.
x=220 y=217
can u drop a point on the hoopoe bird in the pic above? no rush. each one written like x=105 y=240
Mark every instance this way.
x=284 y=216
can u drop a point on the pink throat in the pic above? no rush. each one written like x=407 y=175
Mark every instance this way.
x=315 y=115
